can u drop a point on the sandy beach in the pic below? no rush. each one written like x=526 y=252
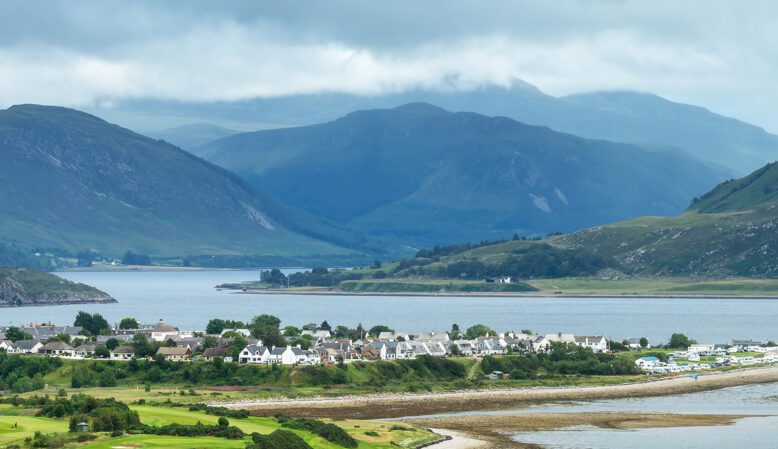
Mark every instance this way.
x=396 y=405
x=495 y=431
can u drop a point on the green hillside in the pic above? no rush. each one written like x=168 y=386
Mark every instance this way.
x=74 y=182
x=731 y=231
x=760 y=187
x=22 y=287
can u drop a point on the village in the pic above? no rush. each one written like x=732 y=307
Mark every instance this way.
x=323 y=348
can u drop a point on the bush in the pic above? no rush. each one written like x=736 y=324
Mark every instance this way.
x=279 y=439
x=329 y=432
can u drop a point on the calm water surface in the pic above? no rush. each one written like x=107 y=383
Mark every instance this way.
x=755 y=433
x=188 y=300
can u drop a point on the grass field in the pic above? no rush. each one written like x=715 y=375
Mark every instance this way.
x=16 y=424
x=569 y=286
x=26 y=426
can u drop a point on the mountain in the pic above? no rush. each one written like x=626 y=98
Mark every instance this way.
x=193 y=135
x=74 y=182
x=730 y=231
x=24 y=287
x=643 y=119
x=424 y=176
x=757 y=189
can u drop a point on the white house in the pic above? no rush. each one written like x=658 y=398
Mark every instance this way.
x=162 y=331
x=56 y=349
x=244 y=332
x=559 y=337
x=122 y=353
x=317 y=335
x=634 y=343
x=254 y=354
x=25 y=347
x=596 y=343
x=292 y=355
x=84 y=351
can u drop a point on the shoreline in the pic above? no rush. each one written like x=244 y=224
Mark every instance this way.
x=59 y=303
x=418 y=405
x=326 y=292
x=498 y=432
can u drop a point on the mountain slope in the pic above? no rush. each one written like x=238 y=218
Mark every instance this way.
x=24 y=287
x=422 y=175
x=731 y=231
x=758 y=188
x=75 y=182
x=646 y=120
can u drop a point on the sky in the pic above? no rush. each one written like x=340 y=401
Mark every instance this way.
x=718 y=54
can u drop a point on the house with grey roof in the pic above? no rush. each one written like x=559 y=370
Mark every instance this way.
x=123 y=353
x=254 y=354
x=25 y=347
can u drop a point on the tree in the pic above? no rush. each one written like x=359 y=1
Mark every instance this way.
x=265 y=327
x=131 y=258
x=325 y=326
x=141 y=345
x=376 y=265
x=215 y=326
x=112 y=343
x=129 y=323
x=341 y=332
x=102 y=352
x=223 y=422
x=377 y=329
x=94 y=324
x=643 y=342
x=454 y=327
x=679 y=340
x=291 y=331
x=359 y=331
x=275 y=277
x=478 y=330
x=13 y=333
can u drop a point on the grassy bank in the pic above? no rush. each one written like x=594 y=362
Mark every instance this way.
x=17 y=424
x=573 y=286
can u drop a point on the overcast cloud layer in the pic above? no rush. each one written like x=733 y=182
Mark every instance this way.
x=718 y=54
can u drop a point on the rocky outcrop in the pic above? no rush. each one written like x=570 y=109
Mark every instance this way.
x=22 y=287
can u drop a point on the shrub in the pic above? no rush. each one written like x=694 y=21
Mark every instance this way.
x=279 y=439
x=329 y=432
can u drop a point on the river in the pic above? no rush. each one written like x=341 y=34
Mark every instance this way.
x=188 y=299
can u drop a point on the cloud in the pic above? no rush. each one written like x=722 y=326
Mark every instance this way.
x=85 y=53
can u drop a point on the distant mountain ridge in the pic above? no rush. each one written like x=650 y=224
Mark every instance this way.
x=620 y=116
x=422 y=175
x=75 y=182
x=192 y=135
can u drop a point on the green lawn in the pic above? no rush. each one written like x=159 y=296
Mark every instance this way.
x=26 y=426
x=164 y=442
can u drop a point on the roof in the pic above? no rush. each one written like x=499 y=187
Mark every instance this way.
x=163 y=327
x=25 y=344
x=165 y=351
x=215 y=352
x=255 y=349
x=56 y=346
x=124 y=350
